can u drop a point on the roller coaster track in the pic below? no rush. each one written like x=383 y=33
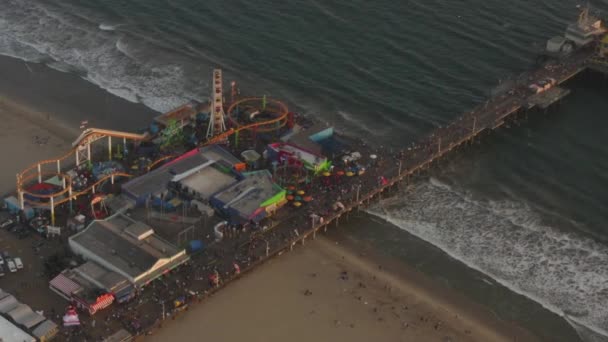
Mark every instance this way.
x=258 y=126
x=87 y=137
x=92 y=134
x=64 y=194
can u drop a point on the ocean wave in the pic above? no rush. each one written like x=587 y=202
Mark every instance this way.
x=508 y=241
x=126 y=67
x=107 y=27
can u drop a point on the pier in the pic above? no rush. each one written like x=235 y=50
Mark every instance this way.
x=295 y=225
x=298 y=228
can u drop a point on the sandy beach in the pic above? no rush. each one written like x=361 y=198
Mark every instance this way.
x=325 y=292
x=25 y=141
x=322 y=291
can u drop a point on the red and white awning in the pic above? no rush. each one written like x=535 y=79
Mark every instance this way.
x=102 y=302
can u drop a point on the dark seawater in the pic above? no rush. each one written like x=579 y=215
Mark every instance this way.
x=526 y=211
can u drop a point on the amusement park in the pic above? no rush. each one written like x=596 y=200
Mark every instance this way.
x=209 y=185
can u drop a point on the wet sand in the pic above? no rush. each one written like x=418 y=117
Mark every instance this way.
x=320 y=292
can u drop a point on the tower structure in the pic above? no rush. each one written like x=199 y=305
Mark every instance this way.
x=233 y=92
x=216 y=119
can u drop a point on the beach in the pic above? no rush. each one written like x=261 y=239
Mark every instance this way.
x=322 y=291
x=41 y=110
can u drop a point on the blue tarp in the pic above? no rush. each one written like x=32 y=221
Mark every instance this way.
x=196 y=245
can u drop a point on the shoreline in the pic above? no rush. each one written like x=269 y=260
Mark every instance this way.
x=431 y=290
x=61 y=128
x=67 y=99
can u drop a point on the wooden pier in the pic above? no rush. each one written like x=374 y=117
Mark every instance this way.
x=392 y=170
x=486 y=117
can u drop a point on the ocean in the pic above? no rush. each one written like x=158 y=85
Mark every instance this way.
x=517 y=222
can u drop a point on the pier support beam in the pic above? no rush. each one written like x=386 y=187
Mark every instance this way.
x=52 y=211
x=21 y=201
x=109 y=148
x=70 y=197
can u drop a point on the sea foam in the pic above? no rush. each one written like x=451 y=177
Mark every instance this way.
x=508 y=241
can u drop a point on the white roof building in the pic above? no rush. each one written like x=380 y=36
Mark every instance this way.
x=127 y=247
x=11 y=333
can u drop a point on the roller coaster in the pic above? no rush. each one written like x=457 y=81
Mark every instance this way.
x=81 y=152
x=280 y=119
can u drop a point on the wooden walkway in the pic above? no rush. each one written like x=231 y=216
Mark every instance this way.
x=486 y=117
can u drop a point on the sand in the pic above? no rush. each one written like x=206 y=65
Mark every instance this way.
x=27 y=137
x=350 y=299
x=319 y=292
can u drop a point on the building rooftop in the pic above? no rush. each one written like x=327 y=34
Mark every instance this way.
x=110 y=240
x=308 y=138
x=301 y=153
x=12 y=333
x=246 y=196
x=208 y=181
x=45 y=329
x=24 y=315
x=8 y=303
x=179 y=114
x=102 y=277
x=155 y=182
x=250 y=155
x=217 y=153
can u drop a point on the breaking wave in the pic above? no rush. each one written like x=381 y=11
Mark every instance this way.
x=126 y=67
x=508 y=241
x=107 y=27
